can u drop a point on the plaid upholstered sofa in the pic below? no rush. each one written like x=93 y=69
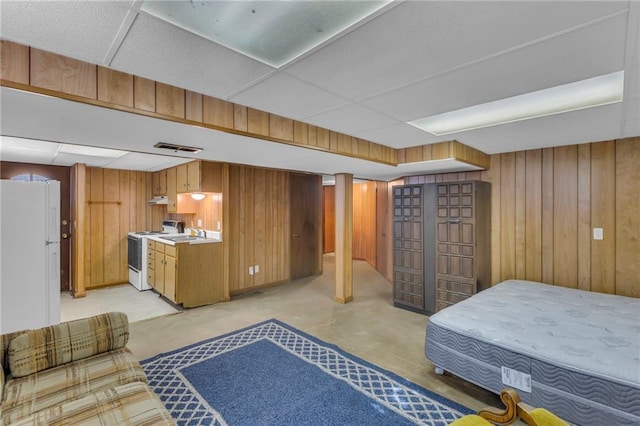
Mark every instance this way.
x=78 y=372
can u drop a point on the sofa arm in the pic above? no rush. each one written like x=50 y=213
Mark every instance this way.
x=48 y=347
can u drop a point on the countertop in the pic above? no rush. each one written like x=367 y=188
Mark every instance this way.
x=167 y=239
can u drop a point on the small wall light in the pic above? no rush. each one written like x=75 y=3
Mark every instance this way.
x=198 y=196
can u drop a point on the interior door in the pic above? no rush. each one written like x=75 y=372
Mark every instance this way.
x=306 y=225
x=26 y=171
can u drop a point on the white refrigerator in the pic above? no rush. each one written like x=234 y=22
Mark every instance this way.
x=29 y=255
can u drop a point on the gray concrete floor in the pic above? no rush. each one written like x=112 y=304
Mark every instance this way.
x=369 y=327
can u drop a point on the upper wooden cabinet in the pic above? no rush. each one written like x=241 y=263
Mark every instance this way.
x=172 y=190
x=199 y=176
x=159 y=182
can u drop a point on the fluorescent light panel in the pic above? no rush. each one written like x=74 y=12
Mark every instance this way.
x=273 y=32
x=91 y=151
x=597 y=91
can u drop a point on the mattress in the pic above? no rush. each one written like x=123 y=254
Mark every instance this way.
x=574 y=352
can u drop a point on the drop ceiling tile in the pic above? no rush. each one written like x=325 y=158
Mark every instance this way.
x=400 y=135
x=79 y=29
x=160 y=51
x=594 y=50
x=350 y=119
x=287 y=96
x=418 y=39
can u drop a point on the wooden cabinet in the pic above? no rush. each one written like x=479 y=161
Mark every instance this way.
x=199 y=176
x=186 y=274
x=172 y=190
x=159 y=182
x=413 y=248
x=463 y=240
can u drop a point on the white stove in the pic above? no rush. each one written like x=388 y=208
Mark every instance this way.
x=137 y=252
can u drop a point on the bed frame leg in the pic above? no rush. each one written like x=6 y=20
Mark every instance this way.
x=439 y=371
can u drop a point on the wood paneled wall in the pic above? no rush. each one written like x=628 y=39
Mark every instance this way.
x=545 y=204
x=329 y=205
x=259 y=225
x=115 y=205
x=364 y=222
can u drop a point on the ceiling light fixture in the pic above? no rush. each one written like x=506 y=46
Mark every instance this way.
x=273 y=32
x=91 y=151
x=597 y=91
x=198 y=196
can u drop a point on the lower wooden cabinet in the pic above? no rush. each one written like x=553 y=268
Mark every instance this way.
x=187 y=274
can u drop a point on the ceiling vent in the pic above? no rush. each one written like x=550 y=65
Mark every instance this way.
x=177 y=148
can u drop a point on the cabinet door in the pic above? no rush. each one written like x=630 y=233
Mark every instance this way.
x=170 y=278
x=172 y=190
x=193 y=176
x=155 y=183
x=162 y=182
x=181 y=178
x=159 y=273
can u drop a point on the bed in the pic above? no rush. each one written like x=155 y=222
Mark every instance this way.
x=576 y=353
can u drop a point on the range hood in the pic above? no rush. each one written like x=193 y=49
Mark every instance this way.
x=158 y=199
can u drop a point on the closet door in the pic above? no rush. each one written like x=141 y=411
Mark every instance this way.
x=408 y=246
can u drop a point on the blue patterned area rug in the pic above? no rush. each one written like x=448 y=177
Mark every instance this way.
x=274 y=374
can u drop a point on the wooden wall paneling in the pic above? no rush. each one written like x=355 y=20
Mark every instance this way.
x=170 y=100
x=144 y=94
x=507 y=213
x=218 y=112
x=603 y=211
x=382 y=212
x=226 y=214
x=270 y=215
x=63 y=74
x=584 y=217
x=493 y=175
x=329 y=235
x=547 y=216
x=281 y=127
x=78 y=183
x=323 y=138
x=193 y=106
x=375 y=151
x=249 y=224
x=358 y=234
x=344 y=144
x=333 y=141
x=240 y=117
x=257 y=122
x=14 y=62
x=520 y=215
x=363 y=147
x=533 y=215
x=440 y=150
x=115 y=87
x=301 y=133
x=96 y=232
x=313 y=135
x=111 y=231
x=141 y=205
x=565 y=216
x=124 y=211
x=627 y=226
x=232 y=225
x=259 y=225
x=370 y=220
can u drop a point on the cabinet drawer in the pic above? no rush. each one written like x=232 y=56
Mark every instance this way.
x=151 y=263
x=151 y=245
x=151 y=277
x=170 y=250
x=160 y=248
x=151 y=254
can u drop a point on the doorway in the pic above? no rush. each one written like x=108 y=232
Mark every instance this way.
x=31 y=172
x=306 y=225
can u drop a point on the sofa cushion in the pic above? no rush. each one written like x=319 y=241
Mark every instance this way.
x=130 y=404
x=26 y=395
x=44 y=348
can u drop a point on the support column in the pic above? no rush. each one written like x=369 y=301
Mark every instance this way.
x=344 y=238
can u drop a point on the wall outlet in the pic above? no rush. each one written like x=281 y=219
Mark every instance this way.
x=199 y=223
x=218 y=226
x=250 y=270
x=256 y=269
x=598 y=234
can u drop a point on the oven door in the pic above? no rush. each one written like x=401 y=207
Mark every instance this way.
x=134 y=254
